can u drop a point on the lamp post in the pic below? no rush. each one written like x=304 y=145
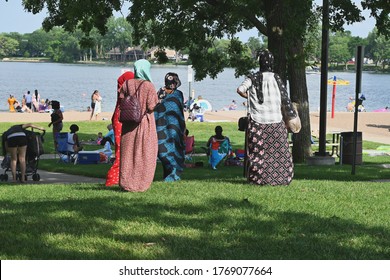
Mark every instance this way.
x=324 y=78
x=322 y=157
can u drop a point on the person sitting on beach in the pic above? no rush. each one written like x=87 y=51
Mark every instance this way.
x=42 y=106
x=18 y=106
x=233 y=106
x=22 y=108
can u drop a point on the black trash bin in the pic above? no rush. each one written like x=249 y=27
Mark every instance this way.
x=347 y=148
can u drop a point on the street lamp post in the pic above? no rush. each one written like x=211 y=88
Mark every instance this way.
x=322 y=157
x=324 y=78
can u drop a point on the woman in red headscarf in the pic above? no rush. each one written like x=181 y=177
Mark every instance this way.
x=113 y=174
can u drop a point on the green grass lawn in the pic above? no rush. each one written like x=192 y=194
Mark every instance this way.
x=326 y=213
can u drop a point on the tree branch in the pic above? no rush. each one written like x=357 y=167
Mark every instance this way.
x=257 y=23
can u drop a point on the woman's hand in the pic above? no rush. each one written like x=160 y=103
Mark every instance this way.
x=242 y=94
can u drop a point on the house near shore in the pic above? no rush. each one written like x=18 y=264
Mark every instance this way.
x=171 y=54
x=130 y=54
x=135 y=53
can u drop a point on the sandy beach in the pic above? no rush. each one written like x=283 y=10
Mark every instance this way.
x=374 y=126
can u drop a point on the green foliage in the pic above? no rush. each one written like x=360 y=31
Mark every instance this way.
x=8 y=46
x=343 y=12
x=378 y=48
x=380 y=10
x=254 y=44
x=119 y=35
x=312 y=44
x=338 y=48
x=161 y=56
x=240 y=58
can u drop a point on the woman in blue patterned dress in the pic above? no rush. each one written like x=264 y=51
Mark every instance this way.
x=169 y=115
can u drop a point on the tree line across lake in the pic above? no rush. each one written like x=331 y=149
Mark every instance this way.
x=58 y=45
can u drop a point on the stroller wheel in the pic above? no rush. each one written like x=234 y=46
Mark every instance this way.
x=5 y=177
x=1 y=177
x=36 y=177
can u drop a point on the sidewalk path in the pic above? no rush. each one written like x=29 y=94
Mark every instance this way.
x=48 y=177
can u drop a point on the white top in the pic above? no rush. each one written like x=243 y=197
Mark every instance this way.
x=70 y=142
x=270 y=110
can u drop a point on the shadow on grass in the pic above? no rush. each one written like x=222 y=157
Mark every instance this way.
x=365 y=172
x=137 y=227
x=386 y=127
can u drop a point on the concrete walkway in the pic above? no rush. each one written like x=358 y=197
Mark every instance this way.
x=47 y=177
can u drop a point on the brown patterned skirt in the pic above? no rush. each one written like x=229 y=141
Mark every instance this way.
x=269 y=160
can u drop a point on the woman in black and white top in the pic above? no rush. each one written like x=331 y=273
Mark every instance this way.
x=268 y=157
x=14 y=142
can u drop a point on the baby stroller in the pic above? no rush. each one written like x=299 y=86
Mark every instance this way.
x=34 y=151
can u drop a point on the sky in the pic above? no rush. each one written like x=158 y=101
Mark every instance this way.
x=13 y=18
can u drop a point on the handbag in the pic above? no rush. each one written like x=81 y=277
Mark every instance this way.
x=130 y=109
x=293 y=124
x=242 y=123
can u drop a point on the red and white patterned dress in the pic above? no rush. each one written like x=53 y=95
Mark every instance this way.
x=112 y=177
x=139 y=143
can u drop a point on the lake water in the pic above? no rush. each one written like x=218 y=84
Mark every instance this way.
x=73 y=85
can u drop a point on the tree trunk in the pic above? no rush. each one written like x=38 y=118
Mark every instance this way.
x=298 y=93
x=274 y=12
x=135 y=55
x=296 y=73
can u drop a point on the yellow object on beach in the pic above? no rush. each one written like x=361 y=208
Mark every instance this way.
x=340 y=82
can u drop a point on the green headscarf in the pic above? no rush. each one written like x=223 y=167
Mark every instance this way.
x=142 y=70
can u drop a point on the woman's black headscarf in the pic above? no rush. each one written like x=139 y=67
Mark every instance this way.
x=172 y=81
x=266 y=62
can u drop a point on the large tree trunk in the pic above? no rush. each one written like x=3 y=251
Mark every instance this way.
x=298 y=93
x=275 y=28
x=296 y=73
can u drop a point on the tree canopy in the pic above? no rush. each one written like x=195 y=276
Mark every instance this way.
x=192 y=24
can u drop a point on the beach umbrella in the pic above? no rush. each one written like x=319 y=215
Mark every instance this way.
x=202 y=103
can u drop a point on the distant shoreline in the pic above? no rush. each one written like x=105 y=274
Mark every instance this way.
x=130 y=63
x=95 y=62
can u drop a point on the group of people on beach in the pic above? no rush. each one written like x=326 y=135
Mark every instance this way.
x=161 y=128
x=30 y=103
